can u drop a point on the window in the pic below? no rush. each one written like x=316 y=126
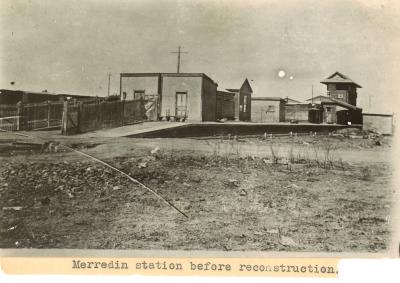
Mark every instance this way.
x=271 y=108
x=244 y=107
x=340 y=95
x=138 y=94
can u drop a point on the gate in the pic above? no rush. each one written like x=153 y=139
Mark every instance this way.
x=45 y=115
x=70 y=118
x=151 y=107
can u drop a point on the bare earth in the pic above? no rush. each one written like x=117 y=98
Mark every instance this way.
x=317 y=194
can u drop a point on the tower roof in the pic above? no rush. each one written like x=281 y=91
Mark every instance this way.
x=339 y=78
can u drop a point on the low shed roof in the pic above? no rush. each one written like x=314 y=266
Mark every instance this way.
x=340 y=103
x=267 y=99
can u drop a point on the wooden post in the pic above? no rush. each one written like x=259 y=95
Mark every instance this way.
x=80 y=110
x=20 y=114
x=123 y=112
x=48 y=113
x=64 y=123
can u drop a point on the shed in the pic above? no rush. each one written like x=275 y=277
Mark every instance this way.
x=303 y=112
x=339 y=112
x=381 y=123
x=242 y=101
x=225 y=105
x=267 y=109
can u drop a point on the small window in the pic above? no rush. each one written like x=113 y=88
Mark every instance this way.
x=271 y=108
x=340 y=95
x=138 y=94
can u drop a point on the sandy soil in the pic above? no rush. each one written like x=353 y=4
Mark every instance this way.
x=235 y=195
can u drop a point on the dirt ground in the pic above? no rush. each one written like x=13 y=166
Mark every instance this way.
x=285 y=194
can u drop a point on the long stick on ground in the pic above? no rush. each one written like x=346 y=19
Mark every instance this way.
x=109 y=166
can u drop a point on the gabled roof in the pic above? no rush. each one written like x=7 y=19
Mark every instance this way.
x=245 y=83
x=338 y=78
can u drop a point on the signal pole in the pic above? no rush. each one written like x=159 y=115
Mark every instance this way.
x=179 y=58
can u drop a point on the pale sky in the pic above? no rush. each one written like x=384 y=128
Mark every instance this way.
x=70 y=46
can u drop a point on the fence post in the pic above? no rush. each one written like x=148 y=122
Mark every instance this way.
x=64 y=121
x=123 y=112
x=20 y=114
x=48 y=113
x=80 y=110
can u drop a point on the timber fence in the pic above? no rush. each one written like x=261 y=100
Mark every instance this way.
x=86 y=116
x=32 y=116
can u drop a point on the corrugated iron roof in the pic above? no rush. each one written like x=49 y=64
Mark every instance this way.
x=340 y=103
x=317 y=97
x=267 y=98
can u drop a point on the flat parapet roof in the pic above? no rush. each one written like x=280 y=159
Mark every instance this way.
x=127 y=75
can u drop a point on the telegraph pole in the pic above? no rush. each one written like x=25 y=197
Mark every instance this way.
x=312 y=94
x=108 y=89
x=179 y=57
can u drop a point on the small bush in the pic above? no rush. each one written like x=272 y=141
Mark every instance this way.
x=366 y=174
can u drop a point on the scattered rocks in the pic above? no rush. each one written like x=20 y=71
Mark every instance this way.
x=116 y=188
x=233 y=182
x=12 y=208
x=292 y=186
x=287 y=241
x=155 y=150
x=243 y=193
x=142 y=164
x=12 y=228
x=195 y=179
x=45 y=201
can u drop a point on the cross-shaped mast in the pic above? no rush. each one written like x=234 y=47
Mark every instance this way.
x=179 y=57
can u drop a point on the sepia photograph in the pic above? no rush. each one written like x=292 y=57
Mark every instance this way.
x=199 y=126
